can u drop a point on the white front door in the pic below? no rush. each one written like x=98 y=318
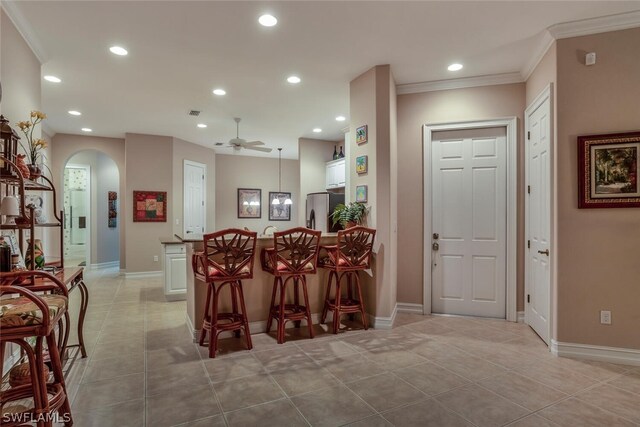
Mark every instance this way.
x=194 y=197
x=469 y=216
x=538 y=211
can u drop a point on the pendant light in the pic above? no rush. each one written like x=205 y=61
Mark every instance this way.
x=276 y=199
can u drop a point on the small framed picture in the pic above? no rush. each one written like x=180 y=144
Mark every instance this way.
x=362 y=193
x=361 y=134
x=249 y=203
x=149 y=206
x=279 y=211
x=362 y=164
x=10 y=238
x=608 y=170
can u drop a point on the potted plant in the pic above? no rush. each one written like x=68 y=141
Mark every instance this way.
x=34 y=146
x=349 y=215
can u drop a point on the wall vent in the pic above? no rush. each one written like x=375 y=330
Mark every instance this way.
x=194 y=113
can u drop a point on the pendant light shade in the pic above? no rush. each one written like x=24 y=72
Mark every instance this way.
x=276 y=200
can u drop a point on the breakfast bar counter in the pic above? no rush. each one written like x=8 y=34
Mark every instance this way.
x=257 y=291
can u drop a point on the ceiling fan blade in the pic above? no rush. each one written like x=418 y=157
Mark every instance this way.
x=253 y=143
x=263 y=149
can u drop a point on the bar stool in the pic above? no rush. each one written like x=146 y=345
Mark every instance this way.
x=23 y=314
x=293 y=256
x=350 y=255
x=227 y=259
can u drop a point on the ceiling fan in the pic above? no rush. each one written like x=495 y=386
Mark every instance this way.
x=238 y=143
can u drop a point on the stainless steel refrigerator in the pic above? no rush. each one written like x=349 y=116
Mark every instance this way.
x=319 y=208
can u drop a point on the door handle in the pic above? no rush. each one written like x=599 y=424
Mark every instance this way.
x=545 y=252
x=435 y=246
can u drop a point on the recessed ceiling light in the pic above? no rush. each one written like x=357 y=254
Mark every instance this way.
x=75 y=113
x=52 y=79
x=267 y=20
x=219 y=92
x=454 y=67
x=317 y=130
x=202 y=125
x=117 y=50
x=294 y=79
x=341 y=118
x=87 y=130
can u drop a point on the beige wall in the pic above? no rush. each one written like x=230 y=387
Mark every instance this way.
x=313 y=155
x=415 y=110
x=65 y=146
x=372 y=102
x=183 y=150
x=598 y=265
x=233 y=172
x=149 y=166
x=542 y=75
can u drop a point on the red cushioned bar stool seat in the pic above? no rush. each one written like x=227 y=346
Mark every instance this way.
x=226 y=260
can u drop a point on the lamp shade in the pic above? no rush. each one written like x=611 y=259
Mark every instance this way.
x=10 y=208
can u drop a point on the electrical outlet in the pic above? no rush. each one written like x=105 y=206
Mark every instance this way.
x=155 y=258
x=605 y=317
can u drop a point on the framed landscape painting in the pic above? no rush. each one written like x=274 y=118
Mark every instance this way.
x=249 y=203
x=608 y=170
x=149 y=206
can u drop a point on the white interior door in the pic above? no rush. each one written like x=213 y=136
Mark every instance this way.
x=538 y=211
x=195 y=202
x=79 y=222
x=469 y=216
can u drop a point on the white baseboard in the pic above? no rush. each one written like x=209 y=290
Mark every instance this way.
x=384 y=322
x=103 y=265
x=520 y=318
x=625 y=356
x=407 y=307
x=142 y=274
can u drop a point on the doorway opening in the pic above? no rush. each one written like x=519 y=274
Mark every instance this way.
x=92 y=231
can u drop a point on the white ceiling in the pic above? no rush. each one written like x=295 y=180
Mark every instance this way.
x=180 y=50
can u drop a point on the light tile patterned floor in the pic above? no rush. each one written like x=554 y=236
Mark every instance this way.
x=143 y=369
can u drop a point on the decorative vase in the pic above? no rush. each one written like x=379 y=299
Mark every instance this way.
x=22 y=166
x=39 y=254
x=34 y=172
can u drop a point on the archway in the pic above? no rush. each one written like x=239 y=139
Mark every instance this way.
x=91 y=184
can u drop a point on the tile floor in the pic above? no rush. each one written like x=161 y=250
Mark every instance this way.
x=144 y=370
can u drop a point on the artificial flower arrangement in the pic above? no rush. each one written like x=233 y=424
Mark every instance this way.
x=33 y=146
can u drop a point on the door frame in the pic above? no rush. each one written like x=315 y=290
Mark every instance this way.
x=511 y=125
x=184 y=191
x=545 y=96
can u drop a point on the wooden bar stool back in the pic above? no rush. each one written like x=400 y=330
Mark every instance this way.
x=227 y=259
x=351 y=254
x=24 y=314
x=293 y=256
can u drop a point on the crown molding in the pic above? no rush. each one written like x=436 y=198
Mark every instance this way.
x=489 y=80
x=25 y=29
x=603 y=24
x=539 y=52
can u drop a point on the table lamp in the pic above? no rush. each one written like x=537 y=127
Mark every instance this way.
x=10 y=209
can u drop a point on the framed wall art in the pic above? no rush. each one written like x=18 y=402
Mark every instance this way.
x=608 y=170
x=280 y=211
x=149 y=206
x=11 y=239
x=249 y=203
x=113 y=209
x=362 y=193
x=362 y=134
x=362 y=164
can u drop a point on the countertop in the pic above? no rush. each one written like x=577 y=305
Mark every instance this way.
x=178 y=240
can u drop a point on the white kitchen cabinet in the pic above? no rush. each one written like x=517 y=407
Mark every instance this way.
x=335 y=174
x=175 y=272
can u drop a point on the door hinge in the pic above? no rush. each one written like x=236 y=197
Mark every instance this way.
x=528 y=189
x=529 y=244
x=528 y=135
x=528 y=298
x=203 y=177
x=203 y=203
